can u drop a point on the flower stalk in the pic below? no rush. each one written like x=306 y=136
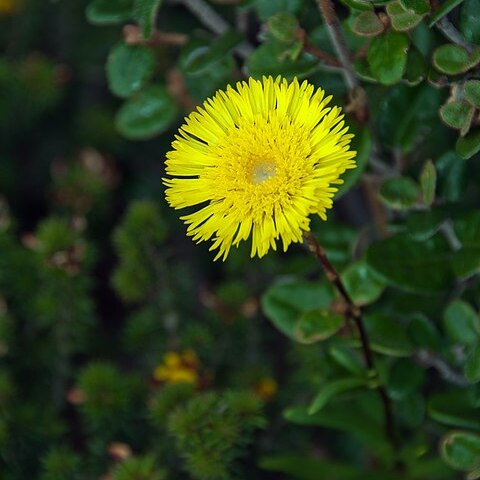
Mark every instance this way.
x=354 y=313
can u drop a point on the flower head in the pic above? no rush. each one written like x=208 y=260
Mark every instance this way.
x=257 y=161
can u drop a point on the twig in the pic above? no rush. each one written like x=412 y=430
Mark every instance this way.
x=354 y=312
x=428 y=359
x=213 y=21
x=133 y=36
x=338 y=42
x=449 y=233
x=315 y=51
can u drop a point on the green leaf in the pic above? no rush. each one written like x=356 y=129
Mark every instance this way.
x=129 y=67
x=420 y=7
x=471 y=90
x=461 y=323
x=271 y=58
x=268 y=8
x=205 y=58
x=410 y=265
x=399 y=193
x=362 y=144
x=362 y=286
x=470 y=21
x=332 y=389
x=461 y=450
x=316 y=325
x=401 y=18
x=457 y=115
x=472 y=365
x=453 y=59
x=387 y=336
x=469 y=145
x=109 y=12
x=367 y=24
x=145 y=13
x=411 y=410
x=466 y=262
x=146 y=114
x=404 y=378
x=424 y=225
x=409 y=115
x=416 y=69
x=423 y=333
x=387 y=56
x=359 y=413
x=283 y=26
x=285 y=304
x=428 y=182
x=443 y=10
x=452 y=176
x=347 y=358
x=453 y=408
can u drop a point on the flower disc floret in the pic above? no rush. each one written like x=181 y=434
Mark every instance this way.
x=257 y=161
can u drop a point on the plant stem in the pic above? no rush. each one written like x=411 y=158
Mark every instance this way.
x=354 y=312
x=338 y=42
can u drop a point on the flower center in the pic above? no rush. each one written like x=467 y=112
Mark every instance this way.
x=262 y=171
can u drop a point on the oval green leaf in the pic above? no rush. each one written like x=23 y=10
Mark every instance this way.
x=461 y=450
x=146 y=114
x=399 y=193
x=387 y=56
x=129 y=67
x=109 y=12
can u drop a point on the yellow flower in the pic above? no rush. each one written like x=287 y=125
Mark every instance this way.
x=267 y=388
x=257 y=161
x=178 y=368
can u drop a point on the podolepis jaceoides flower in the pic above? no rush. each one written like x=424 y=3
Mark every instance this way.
x=257 y=161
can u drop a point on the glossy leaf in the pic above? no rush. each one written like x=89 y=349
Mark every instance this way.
x=283 y=27
x=461 y=323
x=420 y=7
x=109 y=12
x=362 y=286
x=205 y=58
x=424 y=225
x=332 y=389
x=453 y=408
x=470 y=21
x=469 y=145
x=407 y=264
x=472 y=365
x=416 y=69
x=404 y=378
x=461 y=450
x=457 y=115
x=315 y=325
x=387 y=56
x=466 y=262
x=271 y=58
x=387 y=336
x=399 y=193
x=147 y=114
x=402 y=19
x=367 y=24
x=423 y=333
x=145 y=13
x=347 y=358
x=428 y=182
x=471 y=90
x=285 y=304
x=129 y=67
x=453 y=59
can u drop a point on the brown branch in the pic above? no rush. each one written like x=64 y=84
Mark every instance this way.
x=354 y=313
x=338 y=41
x=133 y=36
x=315 y=51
